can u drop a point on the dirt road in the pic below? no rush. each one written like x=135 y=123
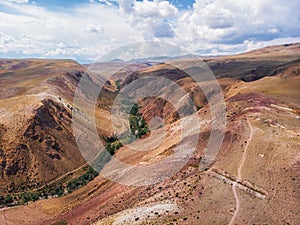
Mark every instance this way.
x=239 y=175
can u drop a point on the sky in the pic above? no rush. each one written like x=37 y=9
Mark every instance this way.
x=85 y=30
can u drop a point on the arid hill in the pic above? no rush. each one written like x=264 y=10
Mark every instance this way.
x=37 y=143
x=253 y=180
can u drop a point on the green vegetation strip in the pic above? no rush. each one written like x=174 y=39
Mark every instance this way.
x=138 y=129
x=48 y=192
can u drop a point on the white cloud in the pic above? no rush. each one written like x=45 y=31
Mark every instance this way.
x=230 y=21
x=274 y=30
x=152 y=18
x=161 y=9
x=90 y=30
x=19 y=1
x=105 y=2
x=94 y=29
x=38 y=31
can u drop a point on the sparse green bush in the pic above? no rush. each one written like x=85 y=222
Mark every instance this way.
x=24 y=198
x=118 y=85
x=59 y=223
x=112 y=144
x=8 y=199
x=82 y=180
x=1 y=200
x=34 y=196
x=137 y=123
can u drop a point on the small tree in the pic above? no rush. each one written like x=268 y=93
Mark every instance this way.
x=8 y=199
x=34 y=196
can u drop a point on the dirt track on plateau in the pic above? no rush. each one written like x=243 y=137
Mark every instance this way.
x=237 y=200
